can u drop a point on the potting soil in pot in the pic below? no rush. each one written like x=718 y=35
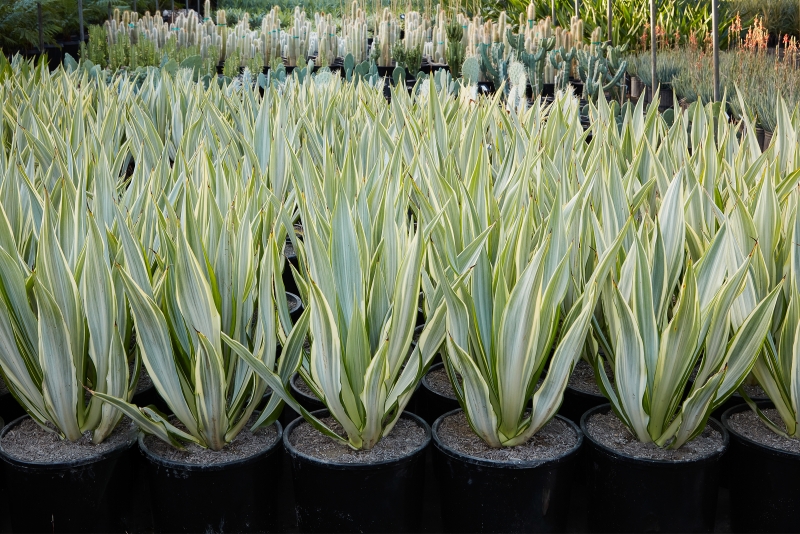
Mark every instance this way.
x=607 y=429
x=439 y=382
x=583 y=379
x=302 y=387
x=749 y=425
x=144 y=379
x=406 y=437
x=29 y=442
x=552 y=441
x=245 y=445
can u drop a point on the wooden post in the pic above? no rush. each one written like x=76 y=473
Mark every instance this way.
x=172 y=12
x=653 y=46
x=715 y=36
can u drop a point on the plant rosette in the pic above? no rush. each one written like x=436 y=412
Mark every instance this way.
x=55 y=482
x=525 y=488
x=643 y=488
x=762 y=499
x=339 y=489
x=201 y=490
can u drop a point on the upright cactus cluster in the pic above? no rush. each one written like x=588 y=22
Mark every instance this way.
x=599 y=72
x=534 y=61
x=494 y=64
x=354 y=33
x=454 y=55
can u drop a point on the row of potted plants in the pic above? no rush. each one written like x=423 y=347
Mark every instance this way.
x=151 y=226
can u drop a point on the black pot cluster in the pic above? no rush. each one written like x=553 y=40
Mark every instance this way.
x=131 y=488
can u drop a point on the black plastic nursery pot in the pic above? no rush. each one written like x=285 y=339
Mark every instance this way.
x=236 y=496
x=764 y=497
x=480 y=495
x=87 y=495
x=295 y=306
x=149 y=396
x=305 y=400
x=636 y=87
x=642 y=495
x=666 y=97
x=382 y=496
x=10 y=409
x=430 y=405
x=577 y=402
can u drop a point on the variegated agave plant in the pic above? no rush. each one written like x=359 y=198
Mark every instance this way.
x=657 y=335
x=204 y=299
x=778 y=367
x=504 y=324
x=363 y=283
x=45 y=354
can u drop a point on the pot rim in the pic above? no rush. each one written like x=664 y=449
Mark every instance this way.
x=580 y=392
x=713 y=457
x=344 y=466
x=424 y=383
x=153 y=458
x=297 y=301
x=296 y=376
x=748 y=442
x=58 y=466
x=502 y=464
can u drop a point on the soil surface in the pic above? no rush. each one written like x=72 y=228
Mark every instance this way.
x=552 y=441
x=288 y=250
x=406 y=437
x=3 y=387
x=245 y=445
x=144 y=379
x=438 y=381
x=748 y=424
x=301 y=386
x=607 y=429
x=30 y=442
x=755 y=392
x=582 y=378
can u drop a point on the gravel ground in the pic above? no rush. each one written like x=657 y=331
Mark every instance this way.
x=405 y=437
x=550 y=442
x=245 y=445
x=609 y=431
x=748 y=424
x=30 y=442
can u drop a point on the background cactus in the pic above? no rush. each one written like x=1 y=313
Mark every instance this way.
x=455 y=48
x=534 y=62
x=471 y=70
x=494 y=64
